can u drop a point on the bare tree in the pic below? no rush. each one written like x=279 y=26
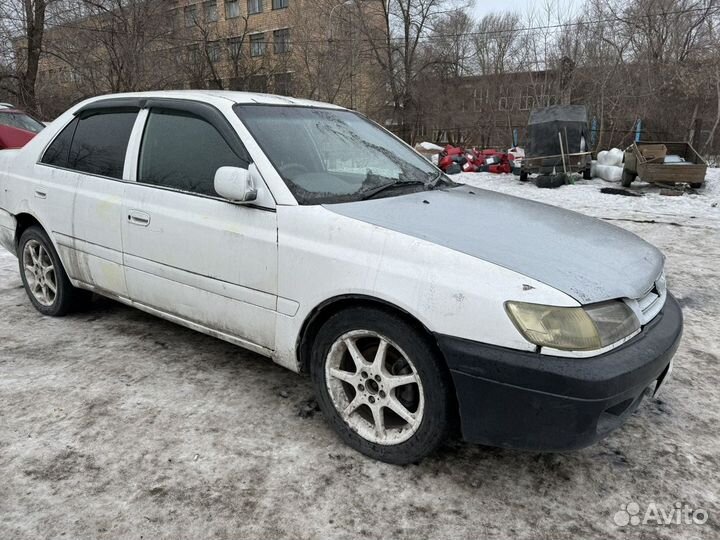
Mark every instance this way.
x=496 y=43
x=25 y=22
x=328 y=52
x=395 y=31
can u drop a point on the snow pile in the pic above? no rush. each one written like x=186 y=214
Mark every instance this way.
x=431 y=147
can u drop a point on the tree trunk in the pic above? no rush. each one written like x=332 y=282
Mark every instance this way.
x=711 y=136
x=35 y=16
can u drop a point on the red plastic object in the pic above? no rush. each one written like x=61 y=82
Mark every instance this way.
x=453 y=150
x=445 y=162
x=500 y=168
x=11 y=137
x=469 y=167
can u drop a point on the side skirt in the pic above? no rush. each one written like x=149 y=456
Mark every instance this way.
x=259 y=349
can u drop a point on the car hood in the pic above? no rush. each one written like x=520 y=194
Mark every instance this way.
x=581 y=256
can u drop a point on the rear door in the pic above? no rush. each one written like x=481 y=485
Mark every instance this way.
x=97 y=153
x=188 y=252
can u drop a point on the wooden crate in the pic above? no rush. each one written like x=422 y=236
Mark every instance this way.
x=692 y=173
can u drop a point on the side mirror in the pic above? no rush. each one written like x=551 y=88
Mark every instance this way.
x=235 y=184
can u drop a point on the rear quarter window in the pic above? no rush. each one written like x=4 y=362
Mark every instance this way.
x=58 y=151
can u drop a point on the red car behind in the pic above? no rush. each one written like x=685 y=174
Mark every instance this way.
x=16 y=127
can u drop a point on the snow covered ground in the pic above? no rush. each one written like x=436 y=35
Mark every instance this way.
x=116 y=424
x=703 y=208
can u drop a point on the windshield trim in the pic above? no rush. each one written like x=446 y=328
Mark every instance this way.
x=237 y=107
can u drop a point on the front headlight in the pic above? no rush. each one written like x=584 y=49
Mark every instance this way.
x=573 y=328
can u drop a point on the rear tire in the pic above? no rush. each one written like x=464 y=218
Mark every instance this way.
x=523 y=176
x=381 y=385
x=586 y=174
x=43 y=276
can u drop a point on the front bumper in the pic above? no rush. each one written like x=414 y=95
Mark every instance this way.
x=532 y=401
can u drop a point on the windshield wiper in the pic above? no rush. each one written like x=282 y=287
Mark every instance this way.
x=398 y=183
x=435 y=182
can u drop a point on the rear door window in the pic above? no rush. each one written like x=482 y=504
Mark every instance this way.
x=183 y=151
x=100 y=143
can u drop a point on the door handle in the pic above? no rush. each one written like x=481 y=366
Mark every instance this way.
x=139 y=218
x=40 y=194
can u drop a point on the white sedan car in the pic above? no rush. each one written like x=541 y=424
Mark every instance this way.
x=310 y=235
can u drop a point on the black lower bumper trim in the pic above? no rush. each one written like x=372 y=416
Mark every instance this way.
x=534 y=401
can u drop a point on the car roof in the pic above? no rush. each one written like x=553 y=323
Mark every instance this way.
x=216 y=96
x=8 y=107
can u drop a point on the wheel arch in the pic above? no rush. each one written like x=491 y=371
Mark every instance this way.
x=25 y=220
x=326 y=309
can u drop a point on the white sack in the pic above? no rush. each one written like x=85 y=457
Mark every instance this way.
x=610 y=173
x=614 y=157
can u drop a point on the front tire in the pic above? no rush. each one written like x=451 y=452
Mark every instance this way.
x=43 y=275
x=381 y=385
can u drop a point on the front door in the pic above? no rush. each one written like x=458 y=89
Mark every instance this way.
x=188 y=253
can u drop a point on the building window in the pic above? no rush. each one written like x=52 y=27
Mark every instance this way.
x=281 y=38
x=190 y=16
x=257 y=45
x=236 y=83
x=211 y=12
x=232 y=9
x=193 y=54
x=254 y=6
x=259 y=83
x=282 y=84
x=213 y=51
x=279 y=4
x=177 y=19
x=235 y=47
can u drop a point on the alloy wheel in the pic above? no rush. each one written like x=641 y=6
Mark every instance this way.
x=39 y=273
x=375 y=387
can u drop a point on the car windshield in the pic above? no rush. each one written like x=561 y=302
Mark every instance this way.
x=327 y=155
x=21 y=121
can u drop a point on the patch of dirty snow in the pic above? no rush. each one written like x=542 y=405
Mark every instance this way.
x=701 y=208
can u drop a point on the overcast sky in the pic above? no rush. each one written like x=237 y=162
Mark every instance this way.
x=485 y=7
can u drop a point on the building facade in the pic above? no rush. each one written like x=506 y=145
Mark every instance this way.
x=277 y=46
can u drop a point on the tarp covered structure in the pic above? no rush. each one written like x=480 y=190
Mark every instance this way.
x=545 y=124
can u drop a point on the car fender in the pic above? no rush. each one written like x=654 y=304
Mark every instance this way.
x=324 y=255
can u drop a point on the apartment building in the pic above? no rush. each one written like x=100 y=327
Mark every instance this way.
x=275 y=46
x=234 y=44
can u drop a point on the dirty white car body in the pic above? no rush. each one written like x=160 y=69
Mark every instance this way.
x=256 y=273
x=270 y=269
